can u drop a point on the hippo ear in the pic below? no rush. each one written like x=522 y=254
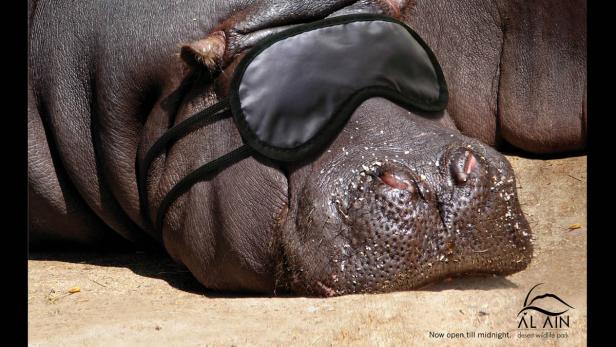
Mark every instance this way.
x=206 y=52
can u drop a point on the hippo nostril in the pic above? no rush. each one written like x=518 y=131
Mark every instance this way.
x=470 y=163
x=392 y=181
x=462 y=167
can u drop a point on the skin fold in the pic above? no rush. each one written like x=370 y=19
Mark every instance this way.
x=397 y=200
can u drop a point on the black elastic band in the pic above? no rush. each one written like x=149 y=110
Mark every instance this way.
x=203 y=173
x=171 y=136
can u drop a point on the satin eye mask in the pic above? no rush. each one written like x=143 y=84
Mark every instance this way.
x=294 y=91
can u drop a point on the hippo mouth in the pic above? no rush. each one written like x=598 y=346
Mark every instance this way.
x=401 y=227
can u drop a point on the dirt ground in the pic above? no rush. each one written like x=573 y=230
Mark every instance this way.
x=145 y=299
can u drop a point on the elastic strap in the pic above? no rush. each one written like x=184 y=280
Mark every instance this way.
x=211 y=114
x=203 y=173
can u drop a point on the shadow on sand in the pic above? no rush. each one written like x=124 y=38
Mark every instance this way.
x=158 y=265
x=470 y=282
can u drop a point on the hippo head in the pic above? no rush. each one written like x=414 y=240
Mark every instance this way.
x=397 y=199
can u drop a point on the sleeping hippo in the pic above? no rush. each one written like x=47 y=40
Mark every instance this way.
x=397 y=199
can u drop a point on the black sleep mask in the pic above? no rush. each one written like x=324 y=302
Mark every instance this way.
x=294 y=91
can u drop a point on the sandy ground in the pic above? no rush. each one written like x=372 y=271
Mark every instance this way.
x=143 y=299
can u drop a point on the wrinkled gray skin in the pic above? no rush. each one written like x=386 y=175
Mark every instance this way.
x=396 y=201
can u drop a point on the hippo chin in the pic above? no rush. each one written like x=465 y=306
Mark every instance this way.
x=397 y=199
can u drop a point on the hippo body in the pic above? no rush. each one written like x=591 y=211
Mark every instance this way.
x=397 y=200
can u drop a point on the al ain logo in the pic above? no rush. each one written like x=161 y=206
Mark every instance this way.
x=554 y=318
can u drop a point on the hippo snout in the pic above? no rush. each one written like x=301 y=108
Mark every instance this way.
x=406 y=223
